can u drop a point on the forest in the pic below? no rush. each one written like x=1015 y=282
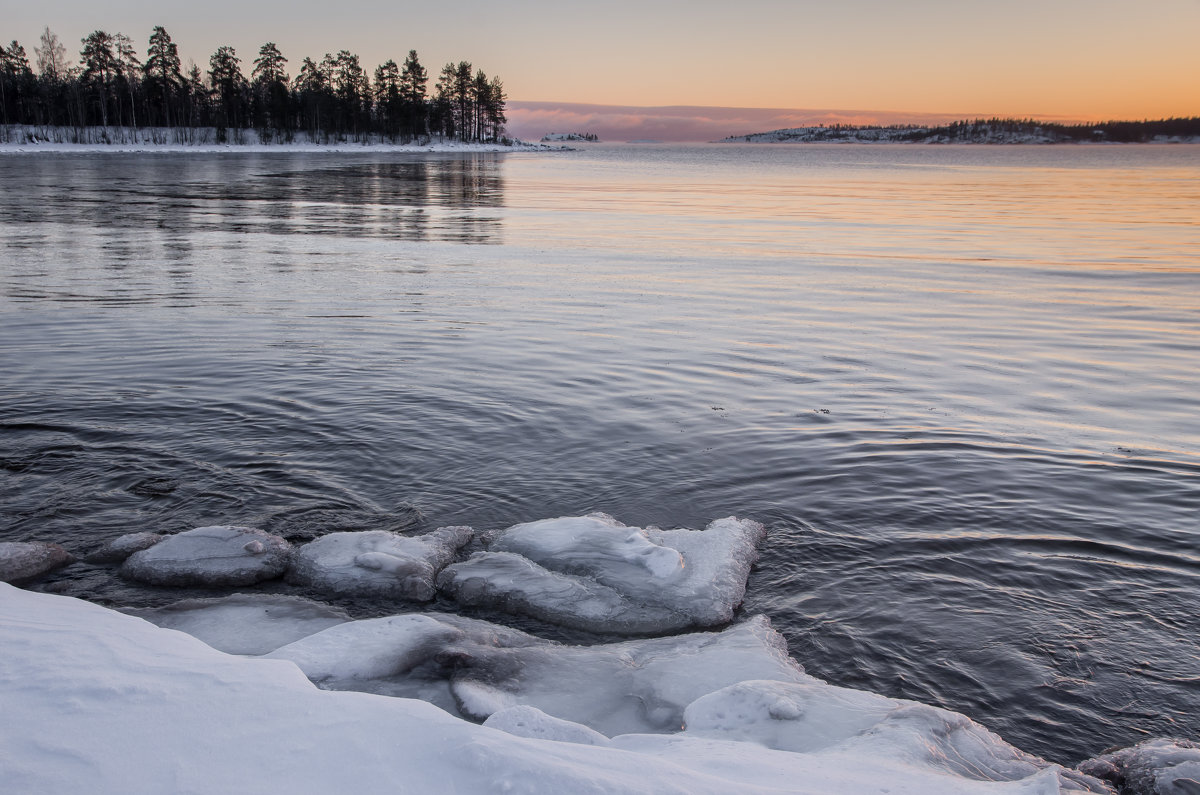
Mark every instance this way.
x=331 y=99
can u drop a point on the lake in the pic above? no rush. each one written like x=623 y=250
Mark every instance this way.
x=959 y=385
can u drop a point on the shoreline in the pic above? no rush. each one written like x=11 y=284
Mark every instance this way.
x=18 y=139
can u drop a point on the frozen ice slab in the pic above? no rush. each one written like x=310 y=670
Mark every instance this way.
x=245 y=623
x=121 y=547
x=22 y=561
x=594 y=573
x=526 y=721
x=807 y=717
x=1154 y=767
x=222 y=555
x=377 y=563
x=615 y=688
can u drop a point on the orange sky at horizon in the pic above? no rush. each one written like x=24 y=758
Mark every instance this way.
x=1074 y=60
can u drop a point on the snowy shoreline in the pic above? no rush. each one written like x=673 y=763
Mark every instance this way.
x=16 y=139
x=266 y=692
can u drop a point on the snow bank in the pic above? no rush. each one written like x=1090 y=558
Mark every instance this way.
x=377 y=563
x=103 y=702
x=594 y=573
x=221 y=555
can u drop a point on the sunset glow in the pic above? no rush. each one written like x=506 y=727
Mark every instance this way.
x=882 y=62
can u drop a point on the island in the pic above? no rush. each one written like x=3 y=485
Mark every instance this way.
x=987 y=131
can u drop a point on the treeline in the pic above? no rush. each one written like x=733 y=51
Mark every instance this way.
x=1114 y=131
x=334 y=98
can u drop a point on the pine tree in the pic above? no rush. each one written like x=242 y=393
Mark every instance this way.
x=229 y=85
x=164 y=80
x=100 y=67
x=270 y=87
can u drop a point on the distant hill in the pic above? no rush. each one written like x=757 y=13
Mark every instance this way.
x=574 y=136
x=990 y=131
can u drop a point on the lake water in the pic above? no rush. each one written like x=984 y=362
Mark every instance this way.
x=960 y=385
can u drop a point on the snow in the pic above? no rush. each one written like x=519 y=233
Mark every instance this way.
x=221 y=555
x=377 y=563
x=594 y=573
x=526 y=721
x=18 y=139
x=103 y=702
x=22 y=561
x=121 y=547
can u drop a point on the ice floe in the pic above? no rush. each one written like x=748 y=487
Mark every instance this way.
x=377 y=563
x=594 y=573
x=222 y=555
x=22 y=561
x=156 y=711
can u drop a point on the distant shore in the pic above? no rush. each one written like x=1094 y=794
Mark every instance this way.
x=990 y=131
x=22 y=139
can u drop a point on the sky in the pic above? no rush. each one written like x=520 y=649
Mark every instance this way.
x=873 y=61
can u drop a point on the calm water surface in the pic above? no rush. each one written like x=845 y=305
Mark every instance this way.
x=961 y=386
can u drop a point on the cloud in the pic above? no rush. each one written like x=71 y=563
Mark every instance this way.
x=532 y=120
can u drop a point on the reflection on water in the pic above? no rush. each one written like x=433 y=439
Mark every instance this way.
x=959 y=385
x=407 y=198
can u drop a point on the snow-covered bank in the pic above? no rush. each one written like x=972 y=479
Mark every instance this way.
x=102 y=702
x=15 y=139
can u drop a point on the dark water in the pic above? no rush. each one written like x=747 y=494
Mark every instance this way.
x=961 y=386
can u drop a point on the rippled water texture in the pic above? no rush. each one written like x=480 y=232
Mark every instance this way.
x=961 y=386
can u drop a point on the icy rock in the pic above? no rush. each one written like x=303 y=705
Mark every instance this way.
x=1154 y=767
x=22 y=561
x=811 y=717
x=592 y=572
x=121 y=547
x=377 y=563
x=210 y=556
x=531 y=722
x=245 y=623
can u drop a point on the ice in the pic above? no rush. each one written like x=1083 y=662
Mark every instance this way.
x=1155 y=767
x=594 y=573
x=511 y=583
x=814 y=716
x=100 y=702
x=526 y=721
x=22 y=561
x=121 y=547
x=370 y=649
x=616 y=688
x=377 y=563
x=222 y=555
x=245 y=623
